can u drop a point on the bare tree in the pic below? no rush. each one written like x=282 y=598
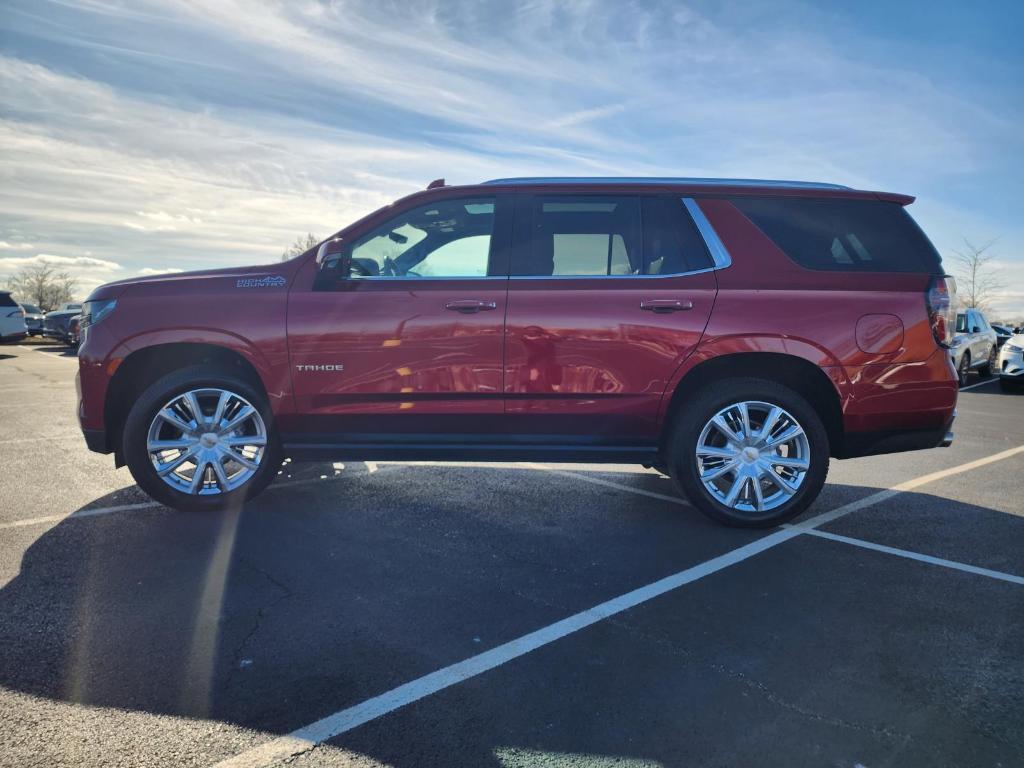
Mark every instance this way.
x=300 y=246
x=41 y=284
x=976 y=279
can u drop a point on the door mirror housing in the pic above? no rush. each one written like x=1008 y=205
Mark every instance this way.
x=975 y=329
x=334 y=263
x=330 y=253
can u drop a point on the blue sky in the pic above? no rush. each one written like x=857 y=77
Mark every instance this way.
x=145 y=135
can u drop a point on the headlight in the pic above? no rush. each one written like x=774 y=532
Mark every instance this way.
x=1015 y=347
x=94 y=311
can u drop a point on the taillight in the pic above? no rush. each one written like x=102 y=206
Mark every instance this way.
x=940 y=301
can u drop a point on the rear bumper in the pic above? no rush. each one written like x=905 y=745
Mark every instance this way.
x=894 y=441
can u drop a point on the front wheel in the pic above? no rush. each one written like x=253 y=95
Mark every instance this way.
x=198 y=439
x=749 y=453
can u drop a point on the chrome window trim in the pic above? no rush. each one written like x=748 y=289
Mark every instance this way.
x=421 y=279
x=710 y=182
x=612 y=277
x=719 y=253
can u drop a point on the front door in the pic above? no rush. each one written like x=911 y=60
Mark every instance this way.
x=607 y=296
x=408 y=346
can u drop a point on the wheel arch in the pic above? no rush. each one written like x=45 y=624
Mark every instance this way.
x=145 y=365
x=808 y=379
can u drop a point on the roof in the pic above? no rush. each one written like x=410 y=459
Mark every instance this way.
x=660 y=180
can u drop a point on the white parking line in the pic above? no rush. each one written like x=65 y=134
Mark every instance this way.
x=148 y=504
x=979 y=384
x=918 y=556
x=611 y=484
x=50 y=355
x=308 y=737
x=79 y=514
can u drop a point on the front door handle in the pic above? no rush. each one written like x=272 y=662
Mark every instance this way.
x=469 y=306
x=663 y=306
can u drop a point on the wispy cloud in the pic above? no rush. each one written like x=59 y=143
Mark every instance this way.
x=284 y=118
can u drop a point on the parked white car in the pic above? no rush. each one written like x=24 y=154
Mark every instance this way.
x=975 y=345
x=1011 y=363
x=12 y=318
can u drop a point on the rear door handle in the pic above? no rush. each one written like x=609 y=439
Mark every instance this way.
x=664 y=306
x=469 y=306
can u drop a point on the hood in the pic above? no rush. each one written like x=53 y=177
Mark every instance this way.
x=284 y=270
x=63 y=313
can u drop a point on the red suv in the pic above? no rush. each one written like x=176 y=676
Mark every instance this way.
x=734 y=334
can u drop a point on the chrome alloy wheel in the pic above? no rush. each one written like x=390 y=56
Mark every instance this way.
x=206 y=441
x=752 y=456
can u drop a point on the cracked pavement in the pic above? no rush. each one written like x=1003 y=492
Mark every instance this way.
x=147 y=637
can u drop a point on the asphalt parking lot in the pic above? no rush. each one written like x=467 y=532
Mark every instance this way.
x=510 y=615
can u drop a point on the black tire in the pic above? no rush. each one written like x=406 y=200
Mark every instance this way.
x=700 y=409
x=964 y=369
x=163 y=390
x=986 y=369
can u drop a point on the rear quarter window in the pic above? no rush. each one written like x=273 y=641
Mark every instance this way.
x=843 y=235
x=7 y=301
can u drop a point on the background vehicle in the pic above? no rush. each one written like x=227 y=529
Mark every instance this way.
x=74 y=331
x=12 y=318
x=55 y=324
x=974 y=346
x=1011 y=363
x=33 y=319
x=1002 y=334
x=737 y=333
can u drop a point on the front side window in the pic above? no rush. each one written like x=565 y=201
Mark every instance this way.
x=961 y=323
x=449 y=238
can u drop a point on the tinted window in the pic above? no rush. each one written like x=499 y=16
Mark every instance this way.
x=850 y=235
x=450 y=238
x=672 y=243
x=7 y=301
x=572 y=235
x=31 y=309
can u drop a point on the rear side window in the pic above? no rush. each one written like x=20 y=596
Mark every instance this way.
x=7 y=301
x=672 y=243
x=572 y=235
x=609 y=235
x=843 y=235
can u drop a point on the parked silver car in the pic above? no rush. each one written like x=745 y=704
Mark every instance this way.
x=974 y=346
x=1011 y=363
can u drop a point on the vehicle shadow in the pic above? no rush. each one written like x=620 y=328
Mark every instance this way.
x=337 y=585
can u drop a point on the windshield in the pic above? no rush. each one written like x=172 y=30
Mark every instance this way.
x=30 y=309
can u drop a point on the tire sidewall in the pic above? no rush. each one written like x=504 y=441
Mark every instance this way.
x=165 y=389
x=705 y=404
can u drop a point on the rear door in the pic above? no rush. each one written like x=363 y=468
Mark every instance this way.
x=607 y=295
x=409 y=345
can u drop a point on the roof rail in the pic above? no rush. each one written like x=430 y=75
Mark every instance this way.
x=667 y=180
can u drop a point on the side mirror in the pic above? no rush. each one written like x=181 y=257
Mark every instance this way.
x=334 y=263
x=330 y=253
x=975 y=329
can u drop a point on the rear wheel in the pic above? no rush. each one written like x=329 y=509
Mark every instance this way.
x=990 y=363
x=201 y=440
x=964 y=368
x=750 y=453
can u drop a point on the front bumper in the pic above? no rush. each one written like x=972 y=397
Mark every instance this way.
x=1011 y=363
x=96 y=440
